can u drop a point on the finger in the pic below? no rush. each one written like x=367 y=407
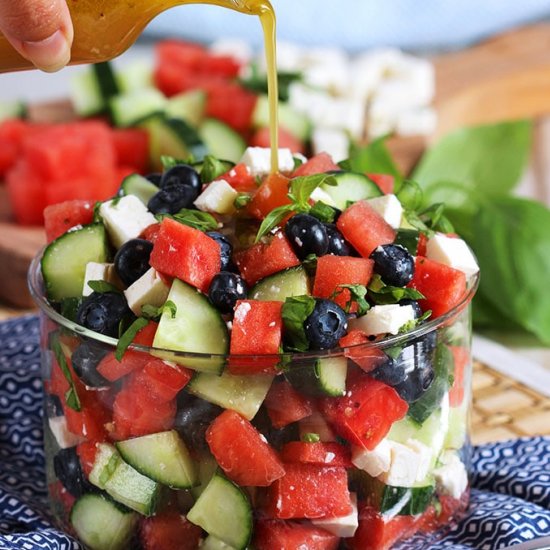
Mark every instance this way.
x=40 y=30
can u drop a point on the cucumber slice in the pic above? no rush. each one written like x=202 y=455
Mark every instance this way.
x=189 y=106
x=213 y=543
x=92 y=89
x=130 y=108
x=224 y=511
x=12 y=109
x=207 y=467
x=243 y=394
x=122 y=482
x=162 y=457
x=282 y=285
x=172 y=137
x=221 y=140
x=139 y=186
x=65 y=259
x=409 y=239
x=197 y=327
x=458 y=426
x=295 y=122
x=101 y=524
x=326 y=376
x=135 y=76
x=351 y=187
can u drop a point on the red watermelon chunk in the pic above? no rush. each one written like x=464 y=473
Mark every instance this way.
x=285 y=405
x=364 y=228
x=461 y=358
x=241 y=452
x=59 y=218
x=385 y=182
x=365 y=357
x=443 y=286
x=12 y=133
x=292 y=535
x=319 y=453
x=309 y=491
x=261 y=260
x=186 y=253
x=272 y=193
x=240 y=178
x=318 y=164
x=163 y=380
x=333 y=271
x=169 y=530
x=132 y=148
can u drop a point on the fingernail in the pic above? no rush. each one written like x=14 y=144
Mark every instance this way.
x=50 y=54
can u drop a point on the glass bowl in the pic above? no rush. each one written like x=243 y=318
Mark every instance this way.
x=146 y=453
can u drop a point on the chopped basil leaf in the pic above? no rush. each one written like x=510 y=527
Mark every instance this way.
x=357 y=296
x=169 y=162
x=71 y=397
x=97 y=216
x=297 y=162
x=410 y=195
x=193 y=218
x=151 y=312
x=323 y=212
x=212 y=168
x=241 y=200
x=302 y=187
x=410 y=325
x=311 y=438
x=382 y=294
x=102 y=287
x=294 y=313
x=273 y=219
x=128 y=337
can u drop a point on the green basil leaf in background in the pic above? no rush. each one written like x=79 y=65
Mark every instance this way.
x=373 y=158
x=128 y=337
x=273 y=219
x=489 y=158
x=294 y=313
x=410 y=195
x=212 y=168
x=511 y=239
x=71 y=396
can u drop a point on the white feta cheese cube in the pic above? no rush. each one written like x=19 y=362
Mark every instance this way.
x=125 y=218
x=333 y=141
x=425 y=456
x=451 y=477
x=218 y=197
x=416 y=122
x=258 y=159
x=64 y=437
x=453 y=252
x=343 y=526
x=404 y=466
x=332 y=76
x=374 y=462
x=386 y=319
x=97 y=272
x=389 y=207
x=149 y=289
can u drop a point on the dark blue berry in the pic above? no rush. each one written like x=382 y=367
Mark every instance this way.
x=225 y=289
x=103 y=313
x=182 y=174
x=85 y=359
x=337 y=245
x=416 y=384
x=53 y=405
x=193 y=418
x=132 y=260
x=394 y=264
x=415 y=305
x=226 y=249
x=172 y=198
x=390 y=372
x=154 y=178
x=68 y=470
x=307 y=235
x=325 y=325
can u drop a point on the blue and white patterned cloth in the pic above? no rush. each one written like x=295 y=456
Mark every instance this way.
x=511 y=480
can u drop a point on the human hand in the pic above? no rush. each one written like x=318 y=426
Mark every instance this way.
x=40 y=30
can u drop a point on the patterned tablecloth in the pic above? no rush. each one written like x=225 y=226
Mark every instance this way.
x=510 y=500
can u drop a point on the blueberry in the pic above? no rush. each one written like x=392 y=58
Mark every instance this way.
x=154 y=178
x=415 y=305
x=416 y=384
x=325 y=325
x=394 y=264
x=225 y=289
x=53 y=405
x=68 y=470
x=391 y=372
x=132 y=260
x=85 y=359
x=307 y=235
x=182 y=174
x=193 y=418
x=103 y=312
x=337 y=245
x=226 y=249
x=172 y=198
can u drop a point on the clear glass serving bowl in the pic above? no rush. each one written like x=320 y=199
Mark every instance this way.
x=112 y=487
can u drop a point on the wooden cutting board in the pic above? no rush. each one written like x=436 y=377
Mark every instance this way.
x=505 y=77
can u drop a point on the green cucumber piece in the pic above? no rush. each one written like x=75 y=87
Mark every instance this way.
x=101 y=524
x=351 y=187
x=189 y=106
x=291 y=120
x=282 y=285
x=409 y=239
x=92 y=89
x=224 y=511
x=196 y=327
x=135 y=76
x=139 y=186
x=458 y=426
x=65 y=259
x=212 y=168
x=207 y=467
x=12 y=109
x=243 y=394
x=221 y=140
x=130 y=108
x=122 y=482
x=326 y=376
x=213 y=543
x=162 y=457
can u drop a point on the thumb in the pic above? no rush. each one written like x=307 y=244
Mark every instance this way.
x=40 y=30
